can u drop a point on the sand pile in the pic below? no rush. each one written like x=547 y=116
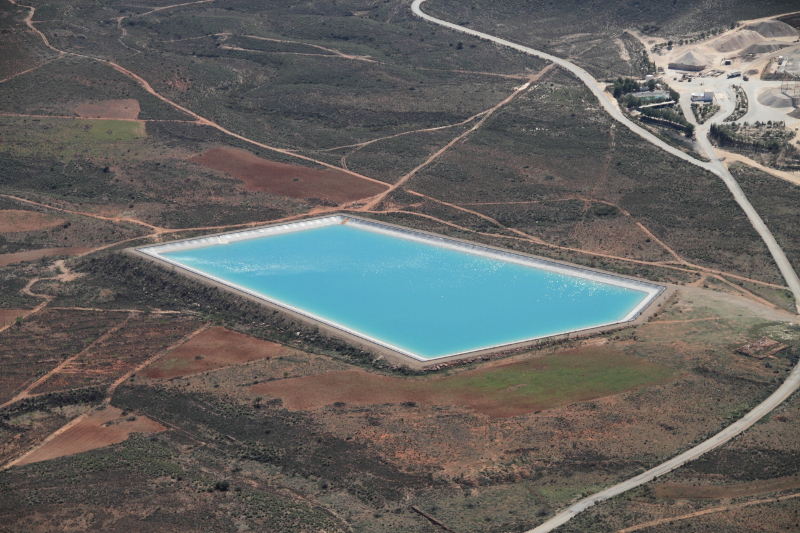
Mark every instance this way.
x=737 y=40
x=691 y=58
x=763 y=47
x=772 y=28
x=774 y=98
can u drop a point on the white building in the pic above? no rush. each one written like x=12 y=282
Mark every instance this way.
x=706 y=96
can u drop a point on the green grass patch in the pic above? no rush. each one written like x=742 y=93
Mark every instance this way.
x=70 y=138
x=101 y=130
x=497 y=391
x=558 y=379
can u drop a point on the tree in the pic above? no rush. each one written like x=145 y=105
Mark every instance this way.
x=689 y=130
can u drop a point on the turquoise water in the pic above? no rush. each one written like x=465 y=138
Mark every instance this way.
x=426 y=300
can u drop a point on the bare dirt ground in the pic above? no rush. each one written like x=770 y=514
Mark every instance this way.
x=100 y=428
x=127 y=109
x=288 y=180
x=484 y=390
x=680 y=491
x=9 y=316
x=212 y=349
x=34 y=255
x=17 y=220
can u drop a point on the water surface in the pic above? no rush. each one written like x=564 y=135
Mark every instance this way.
x=422 y=299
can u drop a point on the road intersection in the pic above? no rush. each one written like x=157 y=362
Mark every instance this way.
x=716 y=166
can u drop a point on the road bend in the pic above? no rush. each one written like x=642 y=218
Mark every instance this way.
x=715 y=165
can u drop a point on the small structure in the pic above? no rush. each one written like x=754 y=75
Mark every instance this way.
x=762 y=348
x=706 y=96
x=651 y=95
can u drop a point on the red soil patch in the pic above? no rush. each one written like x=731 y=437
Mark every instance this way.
x=15 y=220
x=100 y=428
x=127 y=109
x=363 y=388
x=212 y=349
x=9 y=316
x=34 y=255
x=678 y=491
x=288 y=180
x=496 y=391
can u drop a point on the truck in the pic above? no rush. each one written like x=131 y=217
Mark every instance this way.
x=734 y=74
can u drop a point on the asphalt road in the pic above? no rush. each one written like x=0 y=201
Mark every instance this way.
x=606 y=100
x=717 y=167
x=784 y=391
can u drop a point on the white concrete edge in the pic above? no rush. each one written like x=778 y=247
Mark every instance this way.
x=714 y=166
x=651 y=290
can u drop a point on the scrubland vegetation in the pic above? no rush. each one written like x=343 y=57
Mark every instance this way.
x=371 y=89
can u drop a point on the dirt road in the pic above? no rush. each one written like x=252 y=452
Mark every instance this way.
x=672 y=519
x=606 y=100
x=717 y=167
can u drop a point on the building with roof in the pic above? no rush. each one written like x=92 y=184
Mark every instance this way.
x=706 y=96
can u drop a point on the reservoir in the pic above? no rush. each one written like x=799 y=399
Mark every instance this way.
x=422 y=295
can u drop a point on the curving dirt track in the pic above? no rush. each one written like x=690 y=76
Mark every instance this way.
x=715 y=165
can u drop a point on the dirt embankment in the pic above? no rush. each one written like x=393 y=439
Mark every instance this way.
x=261 y=175
x=127 y=109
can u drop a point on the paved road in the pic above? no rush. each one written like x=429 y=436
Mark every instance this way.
x=606 y=100
x=717 y=167
x=784 y=391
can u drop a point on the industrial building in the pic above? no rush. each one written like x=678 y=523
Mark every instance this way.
x=706 y=96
